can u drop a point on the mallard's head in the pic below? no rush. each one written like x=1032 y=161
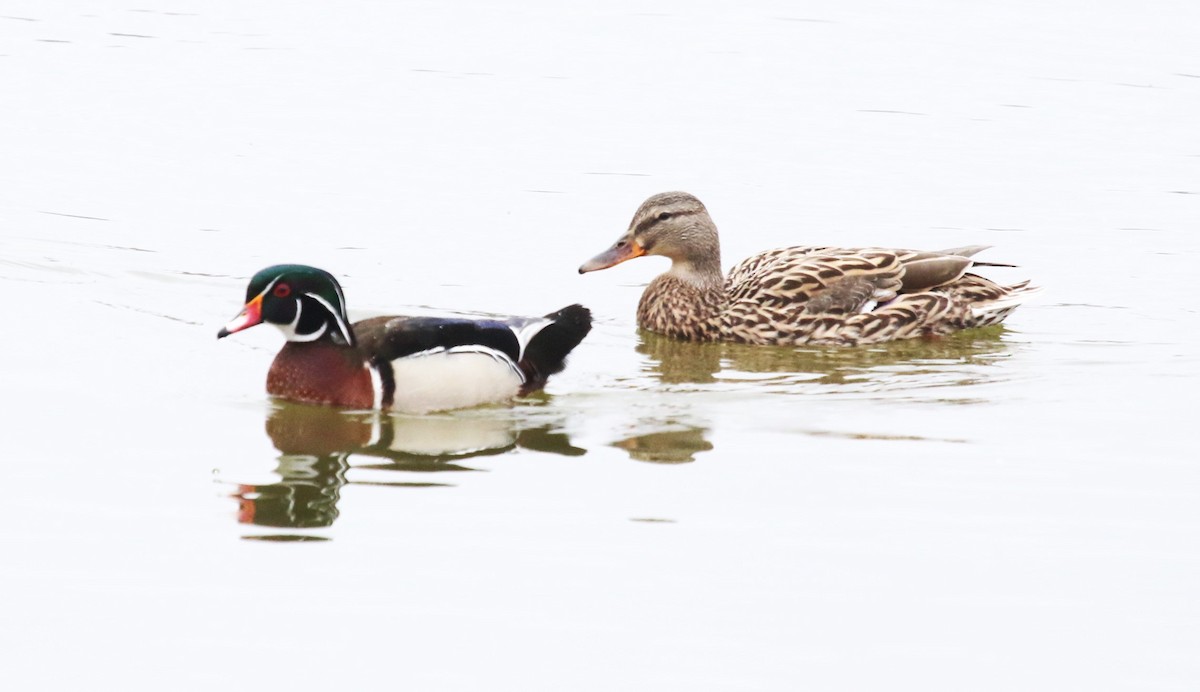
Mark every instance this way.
x=670 y=224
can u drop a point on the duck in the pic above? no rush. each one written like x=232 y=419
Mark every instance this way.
x=407 y=364
x=818 y=295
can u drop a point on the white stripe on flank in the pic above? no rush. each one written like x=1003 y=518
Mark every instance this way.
x=526 y=331
x=376 y=384
x=461 y=377
x=498 y=356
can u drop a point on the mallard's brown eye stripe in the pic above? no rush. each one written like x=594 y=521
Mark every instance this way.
x=647 y=223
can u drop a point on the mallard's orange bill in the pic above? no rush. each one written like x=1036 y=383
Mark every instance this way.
x=623 y=250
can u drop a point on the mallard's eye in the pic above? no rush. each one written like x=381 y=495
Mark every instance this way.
x=663 y=216
x=282 y=290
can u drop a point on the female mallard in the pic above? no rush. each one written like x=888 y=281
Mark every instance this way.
x=407 y=364
x=800 y=295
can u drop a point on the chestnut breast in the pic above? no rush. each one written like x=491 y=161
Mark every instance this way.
x=321 y=373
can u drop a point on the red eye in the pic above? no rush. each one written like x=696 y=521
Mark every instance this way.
x=282 y=290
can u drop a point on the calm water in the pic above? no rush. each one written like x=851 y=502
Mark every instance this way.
x=1013 y=509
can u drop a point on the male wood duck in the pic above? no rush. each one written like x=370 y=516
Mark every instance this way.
x=408 y=364
x=800 y=295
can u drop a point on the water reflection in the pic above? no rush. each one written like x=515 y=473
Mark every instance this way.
x=961 y=358
x=319 y=445
x=667 y=447
x=677 y=362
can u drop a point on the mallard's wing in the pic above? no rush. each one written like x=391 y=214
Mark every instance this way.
x=806 y=295
x=827 y=295
x=816 y=280
x=925 y=270
x=756 y=268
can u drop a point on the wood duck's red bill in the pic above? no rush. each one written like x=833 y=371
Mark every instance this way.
x=248 y=317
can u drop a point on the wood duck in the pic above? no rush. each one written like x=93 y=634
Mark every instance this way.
x=407 y=364
x=800 y=295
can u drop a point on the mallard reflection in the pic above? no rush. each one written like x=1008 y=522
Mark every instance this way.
x=700 y=363
x=318 y=445
x=667 y=446
x=676 y=362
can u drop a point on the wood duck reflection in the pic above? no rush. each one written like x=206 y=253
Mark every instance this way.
x=676 y=362
x=317 y=443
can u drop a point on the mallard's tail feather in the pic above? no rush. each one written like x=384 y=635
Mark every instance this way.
x=1013 y=296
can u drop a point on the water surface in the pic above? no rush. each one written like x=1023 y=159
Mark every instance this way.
x=1013 y=508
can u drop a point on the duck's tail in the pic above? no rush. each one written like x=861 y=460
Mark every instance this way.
x=1011 y=297
x=547 y=351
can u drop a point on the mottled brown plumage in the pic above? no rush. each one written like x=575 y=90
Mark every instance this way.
x=682 y=309
x=800 y=295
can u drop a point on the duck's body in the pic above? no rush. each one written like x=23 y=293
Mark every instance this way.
x=407 y=364
x=804 y=294
x=684 y=309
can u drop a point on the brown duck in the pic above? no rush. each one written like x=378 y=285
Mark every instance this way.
x=804 y=294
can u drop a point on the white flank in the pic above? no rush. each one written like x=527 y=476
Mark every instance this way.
x=458 y=378
x=376 y=384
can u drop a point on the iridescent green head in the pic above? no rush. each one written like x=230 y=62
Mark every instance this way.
x=306 y=304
